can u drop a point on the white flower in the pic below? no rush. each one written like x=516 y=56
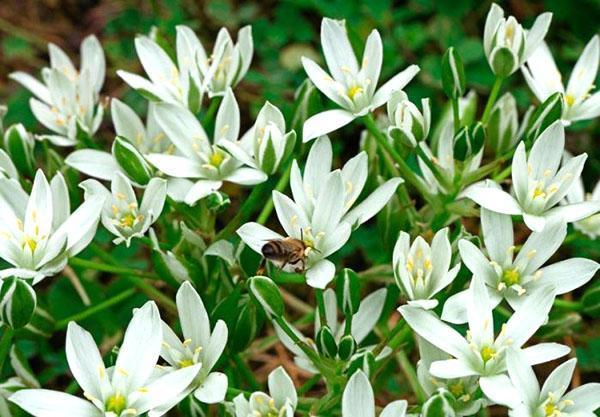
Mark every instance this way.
x=358 y=400
x=128 y=389
x=420 y=270
x=407 y=122
x=522 y=393
x=121 y=215
x=200 y=349
x=185 y=82
x=281 y=402
x=266 y=145
x=68 y=99
x=481 y=353
x=589 y=225
x=200 y=159
x=228 y=63
x=544 y=79
x=38 y=233
x=514 y=279
x=463 y=389
x=7 y=167
x=363 y=322
x=506 y=44
x=349 y=86
x=146 y=139
x=322 y=213
x=538 y=183
x=168 y=82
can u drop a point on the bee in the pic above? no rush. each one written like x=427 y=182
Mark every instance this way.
x=287 y=251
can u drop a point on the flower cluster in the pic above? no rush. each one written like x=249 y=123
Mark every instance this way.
x=451 y=227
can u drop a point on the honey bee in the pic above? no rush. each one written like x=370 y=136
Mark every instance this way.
x=287 y=251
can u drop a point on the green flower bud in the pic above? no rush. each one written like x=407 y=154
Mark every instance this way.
x=503 y=125
x=453 y=74
x=217 y=201
x=17 y=302
x=349 y=287
x=19 y=146
x=131 y=161
x=440 y=404
x=346 y=347
x=266 y=292
x=547 y=113
x=326 y=342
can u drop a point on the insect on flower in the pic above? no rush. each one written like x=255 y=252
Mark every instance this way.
x=286 y=251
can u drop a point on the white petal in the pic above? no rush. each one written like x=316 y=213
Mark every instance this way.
x=536 y=34
x=154 y=197
x=545 y=352
x=140 y=349
x=500 y=390
x=575 y=212
x=523 y=377
x=358 y=399
x=371 y=205
x=585 y=397
x=397 y=82
x=32 y=84
x=429 y=327
x=559 y=380
x=530 y=316
x=246 y=176
x=46 y=403
x=213 y=389
x=256 y=235
x=201 y=189
x=193 y=316
x=85 y=361
x=569 y=274
x=492 y=199
x=337 y=49
x=97 y=164
x=176 y=166
x=451 y=368
x=320 y=274
x=163 y=389
x=368 y=314
x=281 y=387
x=227 y=122
x=325 y=122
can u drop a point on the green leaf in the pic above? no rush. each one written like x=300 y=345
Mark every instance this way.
x=19 y=146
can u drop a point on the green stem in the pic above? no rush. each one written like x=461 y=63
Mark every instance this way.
x=492 y=99
x=411 y=376
x=256 y=198
x=281 y=185
x=146 y=288
x=441 y=178
x=568 y=305
x=5 y=344
x=321 y=306
x=456 y=114
x=311 y=382
x=246 y=372
x=84 y=263
x=210 y=112
x=61 y=324
x=403 y=167
x=312 y=355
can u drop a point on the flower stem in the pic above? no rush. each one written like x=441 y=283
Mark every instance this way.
x=135 y=280
x=568 y=305
x=492 y=99
x=309 y=384
x=281 y=185
x=245 y=371
x=411 y=376
x=119 y=270
x=403 y=167
x=5 y=343
x=455 y=114
x=95 y=309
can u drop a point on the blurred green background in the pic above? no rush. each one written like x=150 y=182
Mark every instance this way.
x=417 y=31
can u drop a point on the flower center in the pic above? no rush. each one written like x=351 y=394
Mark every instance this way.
x=216 y=159
x=457 y=389
x=185 y=363
x=116 y=403
x=569 y=99
x=511 y=277
x=550 y=409
x=353 y=91
x=487 y=353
